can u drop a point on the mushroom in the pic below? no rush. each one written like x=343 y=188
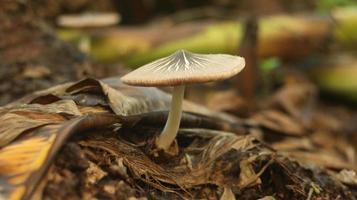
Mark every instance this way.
x=178 y=70
x=87 y=21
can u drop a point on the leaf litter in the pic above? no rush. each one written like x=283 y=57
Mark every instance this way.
x=99 y=136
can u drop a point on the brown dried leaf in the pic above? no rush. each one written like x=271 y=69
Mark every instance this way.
x=227 y=194
x=28 y=157
x=278 y=122
x=123 y=99
x=267 y=198
x=125 y=105
x=23 y=117
x=228 y=101
x=291 y=144
x=129 y=100
x=297 y=99
x=20 y=160
x=347 y=176
x=94 y=174
x=335 y=143
x=36 y=72
x=327 y=159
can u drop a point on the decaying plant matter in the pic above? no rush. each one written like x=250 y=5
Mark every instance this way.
x=93 y=139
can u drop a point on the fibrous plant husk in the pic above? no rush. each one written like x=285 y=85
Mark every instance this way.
x=94 y=139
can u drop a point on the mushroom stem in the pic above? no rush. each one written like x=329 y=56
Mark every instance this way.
x=85 y=44
x=172 y=125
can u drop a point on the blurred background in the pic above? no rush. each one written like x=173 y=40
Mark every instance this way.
x=284 y=41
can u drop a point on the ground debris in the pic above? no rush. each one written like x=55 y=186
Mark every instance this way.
x=101 y=148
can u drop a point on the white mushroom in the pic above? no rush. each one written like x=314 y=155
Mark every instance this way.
x=88 y=21
x=177 y=70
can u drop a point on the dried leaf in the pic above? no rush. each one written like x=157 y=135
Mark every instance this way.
x=36 y=72
x=267 y=198
x=20 y=160
x=23 y=117
x=279 y=122
x=28 y=157
x=291 y=144
x=227 y=194
x=94 y=174
x=297 y=99
x=347 y=176
x=322 y=158
x=227 y=101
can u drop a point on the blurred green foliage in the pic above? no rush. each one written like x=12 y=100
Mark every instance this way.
x=326 y=5
x=269 y=64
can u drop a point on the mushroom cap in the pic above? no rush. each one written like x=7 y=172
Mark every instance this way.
x=88 y=20
x=183 y=67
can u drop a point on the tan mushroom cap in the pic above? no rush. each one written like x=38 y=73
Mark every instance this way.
x=183 y=67
x=88 y=20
